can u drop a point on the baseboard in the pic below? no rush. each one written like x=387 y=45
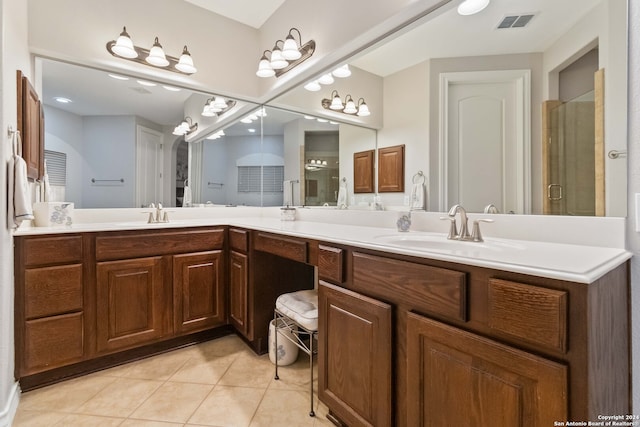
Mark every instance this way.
x=9 y=410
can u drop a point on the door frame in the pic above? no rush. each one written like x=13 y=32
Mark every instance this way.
x=522 y=81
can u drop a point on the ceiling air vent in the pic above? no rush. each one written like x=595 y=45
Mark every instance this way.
x=515 y=21
x=140 y=90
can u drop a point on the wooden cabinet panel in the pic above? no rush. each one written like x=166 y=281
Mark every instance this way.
x=136 y=244
x=52 y=342
x=52 y=290
x=290 y=248
x=458 y=378
x=31 y=127
x=331 y=264
x=130 y=303
x=198 y=291
x=354 y=358
x=238 y=292
x=391 y=169
x=532 y=313
x=427 y=289
x=51 y=250
x=363 y=176
x=239 y=239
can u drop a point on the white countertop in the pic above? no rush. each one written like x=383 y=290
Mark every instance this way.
x=577 y=263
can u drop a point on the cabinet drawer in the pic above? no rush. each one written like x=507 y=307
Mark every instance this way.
x=52 y=290
x=239 y=239
x=285 y=247
x=53 y=341
x=137 y=245
x=430 y=290
x=52 y=250
x=531 y=313
x=331 y=264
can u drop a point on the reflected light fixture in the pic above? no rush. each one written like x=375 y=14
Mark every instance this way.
x=185 y=127
x=123 y=47
x=217 y=105
x=285 y=55
x=349 y=106
x=326 y=79
x=470 y=7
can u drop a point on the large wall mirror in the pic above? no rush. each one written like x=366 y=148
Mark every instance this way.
x=110 y=144
x=522 y=105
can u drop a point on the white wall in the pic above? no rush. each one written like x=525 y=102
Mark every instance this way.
x=14 y=55
x=354 y=139
x=633 y=237
x=63 y=133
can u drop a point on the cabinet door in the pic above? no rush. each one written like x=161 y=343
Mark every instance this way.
x=238 y=288
x=30 y=124
x=457 y=378
x=198 y=291
x=130 y=303
x=354 y=357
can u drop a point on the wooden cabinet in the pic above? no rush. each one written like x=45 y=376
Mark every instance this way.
x=130 y=303
x=459 y=378
x=354 y=339
x=49 y=303
x=198 y=291
x=363 y=176
x=391 y=169
x=238 y=292
x=31 y=127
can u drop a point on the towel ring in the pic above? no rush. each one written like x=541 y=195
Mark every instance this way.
x=420 y=178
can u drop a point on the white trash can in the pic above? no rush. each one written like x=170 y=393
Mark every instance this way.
x=287 y=351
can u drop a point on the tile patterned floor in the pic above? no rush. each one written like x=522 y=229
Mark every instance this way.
x=219 y=383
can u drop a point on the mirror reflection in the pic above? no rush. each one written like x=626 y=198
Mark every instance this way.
x=471 y=98
x=275 y=157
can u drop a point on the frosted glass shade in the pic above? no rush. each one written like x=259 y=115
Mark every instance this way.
x=265 y=69
x=156 y=55
x=124 y=46
x=185 y=64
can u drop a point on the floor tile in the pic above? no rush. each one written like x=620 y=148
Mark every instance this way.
x=79 y=420
x=120 y=398
x=25 y=418
x=224 y=346
x=159 y=368
x=65 y=396
x=295 y=376
x=173 y=402
x=249 y=370
x=146 y=423
x=228 y=406
x=283 y=408
x=201 y=371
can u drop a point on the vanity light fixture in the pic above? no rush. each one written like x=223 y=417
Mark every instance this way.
x=349 y=106
x=285 y=55
x=216 y=135
x=471 y=7
x=342 y=72
x=185 y=127
x=217 y=105
x=123 y=47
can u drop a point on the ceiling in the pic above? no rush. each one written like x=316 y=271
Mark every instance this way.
x=249 y=12
x=93 y=92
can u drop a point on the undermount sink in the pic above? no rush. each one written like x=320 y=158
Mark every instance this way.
x=145 y=223
x=440 y=243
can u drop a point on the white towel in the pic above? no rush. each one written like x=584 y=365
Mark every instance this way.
x=342 y=196
x=46 y=187
x=19 y=198
x=186 y=197
x=287 y=193
x=418 y=200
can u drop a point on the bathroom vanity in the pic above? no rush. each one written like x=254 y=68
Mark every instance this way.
x=408 y=335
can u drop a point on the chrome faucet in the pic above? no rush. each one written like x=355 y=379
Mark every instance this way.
x=463 y=234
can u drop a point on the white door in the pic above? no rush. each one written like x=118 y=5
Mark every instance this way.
x=484 y=149
x=148 y=166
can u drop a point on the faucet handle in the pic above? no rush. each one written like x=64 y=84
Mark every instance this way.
x=476 y=236
x=453 y=229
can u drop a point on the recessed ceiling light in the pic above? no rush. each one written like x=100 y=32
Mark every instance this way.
x=252 y=130
x=62 y=100
x=118 y=77
x=171 y=88
x=146 y=83
x=471 y=7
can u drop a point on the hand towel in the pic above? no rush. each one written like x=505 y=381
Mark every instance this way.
x=418 y=199
x=46 y=187
x=287 y=193
x=186 y=197
x=342 y=195
x=19 y=198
